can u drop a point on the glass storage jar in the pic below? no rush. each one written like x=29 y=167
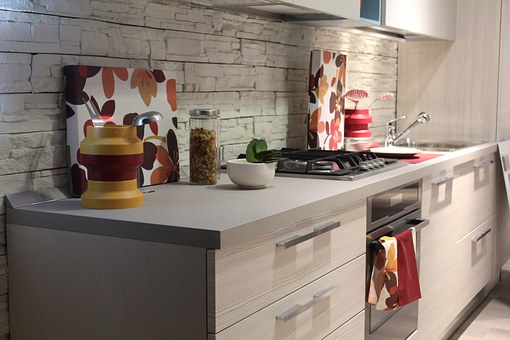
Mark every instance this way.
x=204 y=146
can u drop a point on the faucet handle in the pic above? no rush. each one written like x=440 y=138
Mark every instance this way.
x=393 y=121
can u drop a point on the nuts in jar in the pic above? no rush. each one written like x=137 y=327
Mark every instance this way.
x=204 y=146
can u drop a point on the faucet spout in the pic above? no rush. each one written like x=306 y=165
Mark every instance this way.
x=393 y=137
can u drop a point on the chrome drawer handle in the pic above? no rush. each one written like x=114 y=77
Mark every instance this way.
x=296 y=239
x=443 y=180
x=482 y=235
x=297 y=309
x=484 y=164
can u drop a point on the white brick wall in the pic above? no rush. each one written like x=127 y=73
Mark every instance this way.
x=254 y=70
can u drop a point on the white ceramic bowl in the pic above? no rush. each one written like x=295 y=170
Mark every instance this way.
x=250 y=175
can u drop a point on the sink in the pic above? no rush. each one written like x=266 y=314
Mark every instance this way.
x=438 y=146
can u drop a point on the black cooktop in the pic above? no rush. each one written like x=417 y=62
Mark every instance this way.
x=341 y=164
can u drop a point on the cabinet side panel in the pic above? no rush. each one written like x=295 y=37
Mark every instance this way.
x=504 y=75
x=66 y=285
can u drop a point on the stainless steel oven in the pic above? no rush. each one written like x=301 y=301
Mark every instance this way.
x=390 y=213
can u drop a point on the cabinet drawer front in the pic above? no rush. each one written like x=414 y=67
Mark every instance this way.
x=311 y=312
x=354 y=329
x=464 y=198
x=475 y=261
x=250 y=277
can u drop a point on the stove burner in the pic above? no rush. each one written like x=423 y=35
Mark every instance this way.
x=343 y=165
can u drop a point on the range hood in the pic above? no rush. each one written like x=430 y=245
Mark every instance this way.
x=398 y=19
x=298 y=11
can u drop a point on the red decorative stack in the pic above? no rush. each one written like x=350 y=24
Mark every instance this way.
x=356 y=123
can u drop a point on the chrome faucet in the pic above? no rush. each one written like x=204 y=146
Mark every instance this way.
x=393 y=137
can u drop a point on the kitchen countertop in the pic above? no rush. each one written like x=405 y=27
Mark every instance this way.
x=223 y=214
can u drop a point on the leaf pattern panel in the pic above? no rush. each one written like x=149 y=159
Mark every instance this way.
x=120 y=95
x=326 y=100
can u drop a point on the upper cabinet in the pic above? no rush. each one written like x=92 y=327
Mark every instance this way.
x=408 y=19
x=425 y=18
x=457 y=83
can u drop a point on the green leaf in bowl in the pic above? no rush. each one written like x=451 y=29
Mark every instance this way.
x=256 y=152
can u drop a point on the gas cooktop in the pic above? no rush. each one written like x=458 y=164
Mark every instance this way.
x=327 y=164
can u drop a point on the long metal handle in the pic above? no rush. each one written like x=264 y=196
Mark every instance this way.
x=443 y=180
x=297 y=309
x=296 y=239
x=374 y=237
x=396 y=119
x=484 y=164
x=482 y=235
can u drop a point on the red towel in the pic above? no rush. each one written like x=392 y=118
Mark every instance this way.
x=408 y=281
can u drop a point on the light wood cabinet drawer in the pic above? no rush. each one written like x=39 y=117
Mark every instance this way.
x=250 y=276
x=311 y=312
x=462 y=197
x=354 y=329
x=475 y=262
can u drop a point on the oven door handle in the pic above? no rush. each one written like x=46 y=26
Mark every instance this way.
x=417 y=224
x=297 y=239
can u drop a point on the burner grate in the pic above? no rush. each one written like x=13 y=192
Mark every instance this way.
x=344 y=165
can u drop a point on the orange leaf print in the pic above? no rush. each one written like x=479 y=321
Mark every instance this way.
x=171 y=94
x=326 y=56
x=323 y=88
x=162 y=156
x=315 y=119
x=391 y=258
x=321 y=127
x=341 y=73
x=159 y=175
x=121 y=73
x=146 y=83
x=109 y=81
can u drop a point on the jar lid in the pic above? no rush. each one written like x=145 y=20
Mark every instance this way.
x=204 y=113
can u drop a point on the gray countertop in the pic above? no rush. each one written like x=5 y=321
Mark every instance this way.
x=223 y=214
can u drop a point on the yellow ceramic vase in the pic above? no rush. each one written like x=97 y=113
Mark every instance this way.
x=112 y=155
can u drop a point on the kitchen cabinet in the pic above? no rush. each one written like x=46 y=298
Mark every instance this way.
x=304 y=280
x=458 y=247
x=290 y=267
x=503 y=126
x=503 y=231
x=311 y=312
x=425 y=18
x=456 y=83
x=354 y=329
x=250 y=279
x=476 y=254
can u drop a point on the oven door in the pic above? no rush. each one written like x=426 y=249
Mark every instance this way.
x=403 y=321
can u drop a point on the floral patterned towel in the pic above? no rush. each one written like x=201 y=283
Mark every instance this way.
x=383 y=291
x=394 y=281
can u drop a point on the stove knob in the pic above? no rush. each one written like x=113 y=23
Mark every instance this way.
x=381 y=162
x=375 y=163
x=363 y=165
